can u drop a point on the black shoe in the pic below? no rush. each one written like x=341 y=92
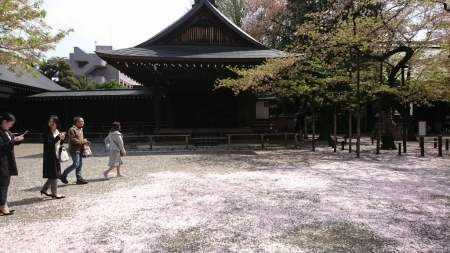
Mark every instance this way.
x=57 y=196
x=45 y=193
x=63 y=179
x=81 y=181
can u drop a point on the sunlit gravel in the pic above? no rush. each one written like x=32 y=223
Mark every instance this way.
x=210 y=199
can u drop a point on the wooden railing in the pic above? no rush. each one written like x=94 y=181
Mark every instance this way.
x=187 y=139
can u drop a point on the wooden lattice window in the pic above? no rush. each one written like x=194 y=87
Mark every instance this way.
x=203 y=35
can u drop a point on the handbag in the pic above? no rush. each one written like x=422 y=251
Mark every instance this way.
x=108 y=141
x=86 y=151
x=120 y=151
x=63 y=155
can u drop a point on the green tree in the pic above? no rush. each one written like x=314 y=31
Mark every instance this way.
x=24 y=35
x=57 y=69
x=70 y=82
x=233 y=9
x=110 y=85
x=338 y=35
x=85 y=83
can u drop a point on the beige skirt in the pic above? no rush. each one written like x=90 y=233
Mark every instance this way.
x=114 y=158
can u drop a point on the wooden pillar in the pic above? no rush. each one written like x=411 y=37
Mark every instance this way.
x=305 y=119
x=169 y=110
x=68 y=123
x=157 y=104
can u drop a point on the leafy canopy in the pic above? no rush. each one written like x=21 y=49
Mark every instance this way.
x=110 y=85
x=24 y=35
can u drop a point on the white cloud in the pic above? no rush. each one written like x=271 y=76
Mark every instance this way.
x=121 y=24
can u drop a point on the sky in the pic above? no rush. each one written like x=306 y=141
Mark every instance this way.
x=121 y=24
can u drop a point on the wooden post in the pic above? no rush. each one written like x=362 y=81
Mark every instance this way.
x=343 y=145
x=306 y=128
x=187 y=141
x=157 y=104
x=404 y=113
x=229 y=140
x=350 y=131
x=335 y=127
x=358 y=108
x=313 y=125
x=399 y=148
x=422 y=146
x=435 y=142
x=295 y=141
x=151 y=142
x=440 y=145
x=262 y=141
x=446 y=143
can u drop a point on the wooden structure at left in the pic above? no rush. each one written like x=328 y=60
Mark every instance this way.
x=178 y=68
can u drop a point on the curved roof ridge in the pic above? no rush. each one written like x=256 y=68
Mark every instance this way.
x=193 y=11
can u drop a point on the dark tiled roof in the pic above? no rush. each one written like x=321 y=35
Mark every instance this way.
x=157 y=50
x=34 y=80
x=93 y=93
x=186 y=52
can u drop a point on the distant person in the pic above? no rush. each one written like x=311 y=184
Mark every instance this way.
x=8 y=166
x=51 y=166
x=116 y=149
x=76 y=142
x=447 y=127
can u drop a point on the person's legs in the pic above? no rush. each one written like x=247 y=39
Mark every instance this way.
x=54 y=185
x=79 y=167
x=75 y=164
x=4 y=184
x=46 y=185
x=118 y=172
x=105 y=173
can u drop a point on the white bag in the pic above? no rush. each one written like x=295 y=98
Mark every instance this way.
x=107 y=141
x=63 y=155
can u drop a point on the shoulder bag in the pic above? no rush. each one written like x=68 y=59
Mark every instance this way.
x=120 y=151
x=63 y=155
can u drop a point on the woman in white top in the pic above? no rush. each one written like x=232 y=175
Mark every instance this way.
x=114 y=141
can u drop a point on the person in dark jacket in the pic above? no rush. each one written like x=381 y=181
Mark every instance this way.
x=8 y=165
x=52 y=168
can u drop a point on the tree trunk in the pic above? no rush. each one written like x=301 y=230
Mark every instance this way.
x=387 y=137
x=325 y=121
x=411 y=136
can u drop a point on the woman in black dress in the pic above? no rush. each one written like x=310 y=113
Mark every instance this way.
x=52 y=168
x=8 y=166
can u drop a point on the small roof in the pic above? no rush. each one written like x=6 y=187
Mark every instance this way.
x=34 y=80
x=92 y=93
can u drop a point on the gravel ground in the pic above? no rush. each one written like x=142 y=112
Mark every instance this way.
x=246 y=200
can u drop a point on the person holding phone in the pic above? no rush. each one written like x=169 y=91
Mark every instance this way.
x=52 y=168
x=8 y=166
